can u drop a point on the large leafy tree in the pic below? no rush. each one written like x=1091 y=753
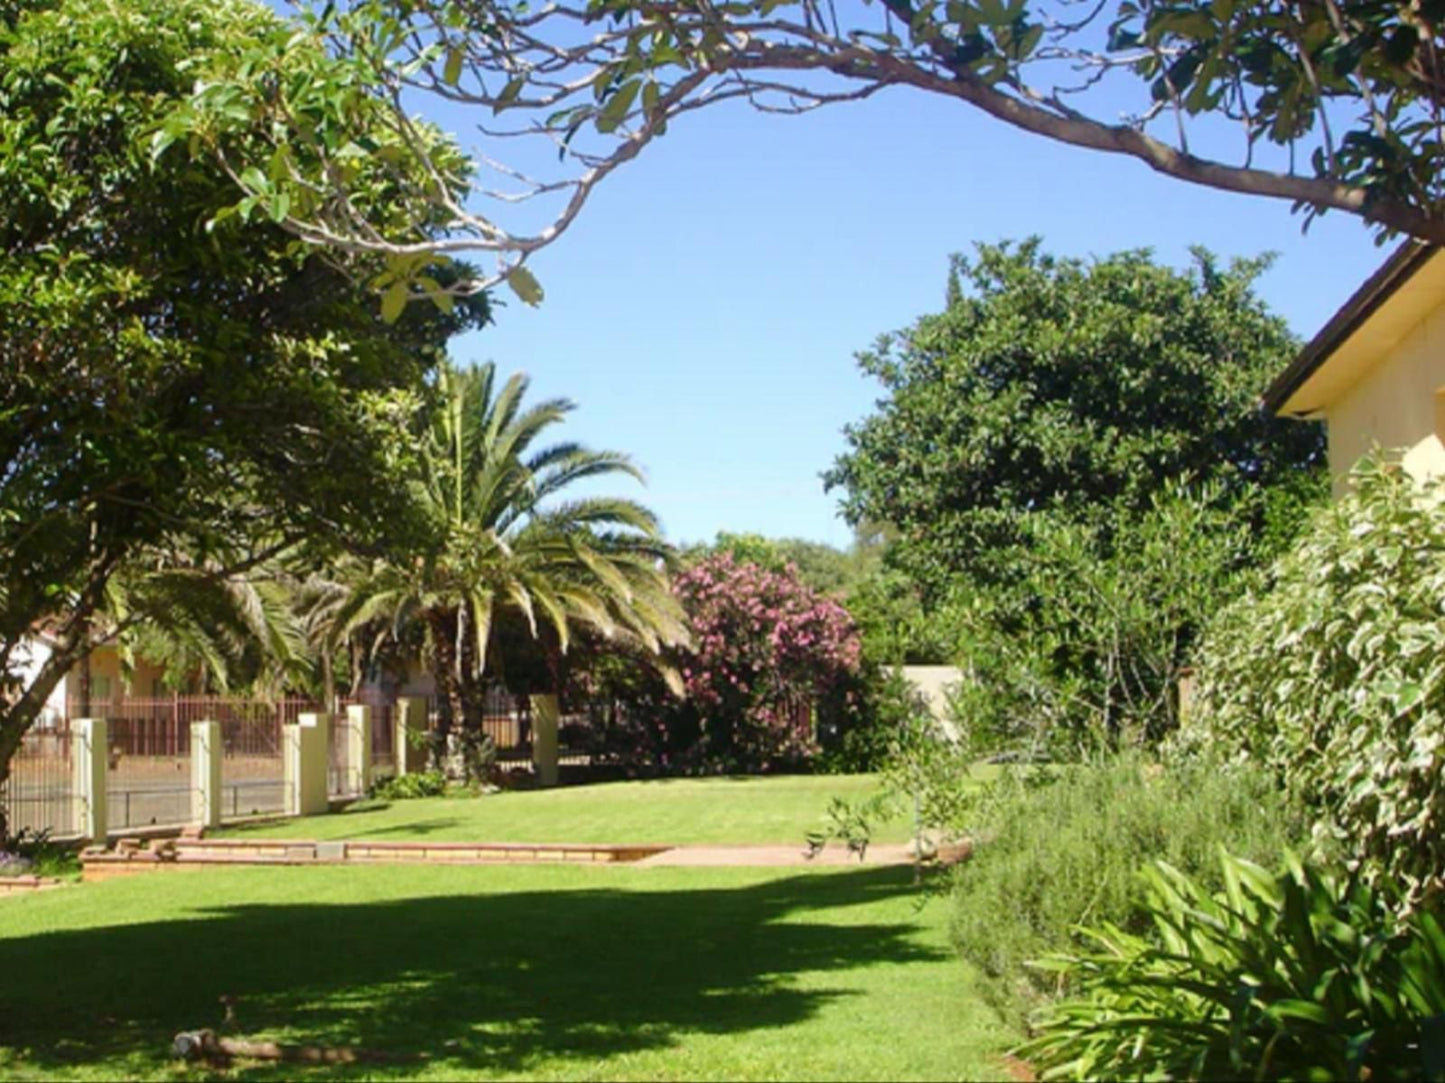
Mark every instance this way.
x=512 y=565
x=1332 y=105
x=1059 y=387
x=174 y=384
x=1074 y=459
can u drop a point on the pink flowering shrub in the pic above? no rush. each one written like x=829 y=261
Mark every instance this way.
x=772 y=664
x=767 y=650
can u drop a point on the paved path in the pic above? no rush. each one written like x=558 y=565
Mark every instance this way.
x=833 y=854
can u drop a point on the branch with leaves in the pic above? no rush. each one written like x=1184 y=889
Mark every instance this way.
x=1337 y=104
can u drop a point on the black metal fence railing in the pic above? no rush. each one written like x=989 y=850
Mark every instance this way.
x=506 y=719
x=252 y=764
x=148 y=805
x=148 y=780
x=256 y=797
x=148 y=754
x=39 y=794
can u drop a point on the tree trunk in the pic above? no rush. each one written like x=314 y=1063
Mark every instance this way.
x=328 y=678
x=444 y=676
x=461 y=697
x=471 y=697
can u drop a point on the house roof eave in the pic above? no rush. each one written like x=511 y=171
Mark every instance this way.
x=1387 y=279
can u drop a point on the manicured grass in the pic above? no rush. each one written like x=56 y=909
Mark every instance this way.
x=776 y=809
x=499 y=972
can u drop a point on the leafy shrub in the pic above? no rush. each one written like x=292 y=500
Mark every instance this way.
x=848 y=821
x=1060 y=847
x=770 y=659
x=894 y=626
x=1334 y=680
x=860 y=735
x=763 y=644
x=35 y=853
x=934 y=774
x=1084 y=653
x=405 y=787
x=1295 y=976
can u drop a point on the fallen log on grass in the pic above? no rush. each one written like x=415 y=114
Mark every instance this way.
x=207 y=1045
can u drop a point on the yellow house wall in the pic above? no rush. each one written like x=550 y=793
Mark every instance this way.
x=1397 y=403
x=105 y=663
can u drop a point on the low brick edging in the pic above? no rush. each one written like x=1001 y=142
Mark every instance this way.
x=27 y=885
x=133 y=855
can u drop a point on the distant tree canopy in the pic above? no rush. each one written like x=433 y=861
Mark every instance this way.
x=177 y=387
x=1060 y=387
x=820 y=566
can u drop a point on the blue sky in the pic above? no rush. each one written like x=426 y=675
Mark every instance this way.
x=705 y=308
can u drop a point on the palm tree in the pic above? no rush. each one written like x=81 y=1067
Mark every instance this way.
x=203 y=622
x=505 y=547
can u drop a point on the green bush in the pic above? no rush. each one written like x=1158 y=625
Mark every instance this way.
x=1062 y=847
x=404 y=787
x=1083 y=653
x=861 y=739
x=1295 y=976
x=1334 y=679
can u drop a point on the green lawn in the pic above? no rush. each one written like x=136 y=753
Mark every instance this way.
x=499 y=972
x=777 y=809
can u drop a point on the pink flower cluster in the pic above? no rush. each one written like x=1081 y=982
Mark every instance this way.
x=765 y=648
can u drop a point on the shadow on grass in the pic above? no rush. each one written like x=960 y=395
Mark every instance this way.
x=496 y=981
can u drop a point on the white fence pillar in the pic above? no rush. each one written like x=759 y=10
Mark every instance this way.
x=409 y=721
x=206 y=752
x=358 y=745
x=546 y=714
x=306 y=763
x=90 y=760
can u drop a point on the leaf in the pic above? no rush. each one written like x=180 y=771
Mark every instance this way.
x=438 y=296
x=509 y=95
x=393 y=301
x=1304 y=1010
x=525 y=285
x=162 y=140
x=1029 y=41
x=254 y=180
x=220 y=216
x=992 y=12
x=616 y=109
x=452 y=71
